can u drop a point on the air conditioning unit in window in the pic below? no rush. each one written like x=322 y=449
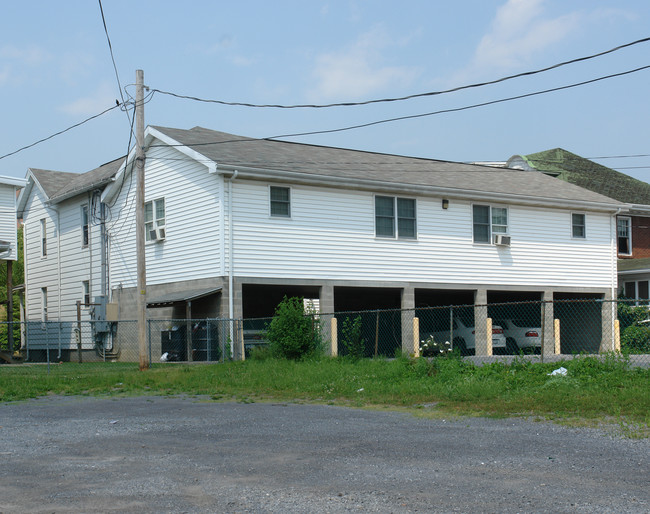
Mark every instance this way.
x=501 y=240
x=157 y=234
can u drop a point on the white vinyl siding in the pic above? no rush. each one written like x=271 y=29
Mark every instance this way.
x=333 y=237
x=192 y=214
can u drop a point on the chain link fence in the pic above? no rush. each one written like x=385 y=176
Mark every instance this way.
x=559 y=328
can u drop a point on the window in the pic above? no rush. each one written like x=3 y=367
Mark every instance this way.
x=637 y=290
x=489 y=220
x=85 y=235
x=393 y=215
x=624 y=235
x=43 y=238
x=85 y=287
x=280 y=201
x=578 y=229
x=43 y=303
x=154 y=218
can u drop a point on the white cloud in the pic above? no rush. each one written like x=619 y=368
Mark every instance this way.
x=359 y=70
x=103 y=98
x=519 y=32
x=32 y=55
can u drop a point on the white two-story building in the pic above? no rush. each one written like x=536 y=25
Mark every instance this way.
x=234 y=224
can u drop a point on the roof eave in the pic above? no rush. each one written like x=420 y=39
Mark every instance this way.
x=418 y=189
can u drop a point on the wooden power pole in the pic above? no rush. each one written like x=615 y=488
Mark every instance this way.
x=139 y=220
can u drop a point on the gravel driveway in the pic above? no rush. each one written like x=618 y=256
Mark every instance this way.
x=152 y=454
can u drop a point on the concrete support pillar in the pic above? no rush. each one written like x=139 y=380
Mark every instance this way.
x=548 y=326
x=326 y=301
x=607 y=341
x=481 y=323
x=408 y=312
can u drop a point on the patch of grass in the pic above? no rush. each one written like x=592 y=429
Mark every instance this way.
x=594 y=390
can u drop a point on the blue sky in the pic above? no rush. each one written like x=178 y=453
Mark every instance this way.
x=56 y=70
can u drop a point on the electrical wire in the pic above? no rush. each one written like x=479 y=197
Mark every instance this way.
x=409 y=97
x=457 y=109
x=59 y=132
x=110 y=48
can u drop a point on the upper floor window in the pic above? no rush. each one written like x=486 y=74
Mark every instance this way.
x=85 y=289
x=43 y=237
x=280 y=201
x=488 y=220
x=43 y=303
x=624 y=235
x=578 y=226
x=85 y=226
x=395 y=216
x=154 y=220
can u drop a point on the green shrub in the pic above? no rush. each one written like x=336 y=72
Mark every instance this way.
x=351 y=339
x=292 y=334
x=636 y=339
x=432 y=348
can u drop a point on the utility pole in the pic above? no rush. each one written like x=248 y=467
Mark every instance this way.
x=139 y=219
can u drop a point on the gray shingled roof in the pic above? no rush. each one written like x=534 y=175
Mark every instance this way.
x=232 y=150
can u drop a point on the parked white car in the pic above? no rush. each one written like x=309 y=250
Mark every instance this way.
x=521 y=335
x=463 y=337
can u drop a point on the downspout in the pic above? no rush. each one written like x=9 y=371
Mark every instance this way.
x=615 y=272
x=231 y=303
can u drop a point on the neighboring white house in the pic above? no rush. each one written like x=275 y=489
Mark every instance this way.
x=9 y=187
x=233 y=224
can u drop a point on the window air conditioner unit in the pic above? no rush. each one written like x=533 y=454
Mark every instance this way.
x=501 y=240
x=157 y=234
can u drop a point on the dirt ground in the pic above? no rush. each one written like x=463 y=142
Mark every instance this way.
x=153 y=454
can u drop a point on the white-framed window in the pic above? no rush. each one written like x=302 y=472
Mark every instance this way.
x=43 y=304
x=578 y=225
x=488 y=220
x=85 y=226
x=280 y=201
x=637 y=290
x=395 y=217
x=43 y=237
x=154 y=220
x=85 y=290
x=624 y=235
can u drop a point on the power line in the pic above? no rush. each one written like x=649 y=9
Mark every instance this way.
x=457 y=109
x=110 y=48
x=409 y=97
x=620 y=156
x=60 y=132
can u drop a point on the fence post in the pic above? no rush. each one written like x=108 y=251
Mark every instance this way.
x=557 y=347
x=78 y=330
x=148 y=337
x=488 y=327
x=240 y=324
x=334 y=337
x=617 y=335
x=416 y=337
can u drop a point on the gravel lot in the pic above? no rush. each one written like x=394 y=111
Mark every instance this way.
x=152 y=454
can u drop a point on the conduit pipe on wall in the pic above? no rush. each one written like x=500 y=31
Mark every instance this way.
x=231 y=225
